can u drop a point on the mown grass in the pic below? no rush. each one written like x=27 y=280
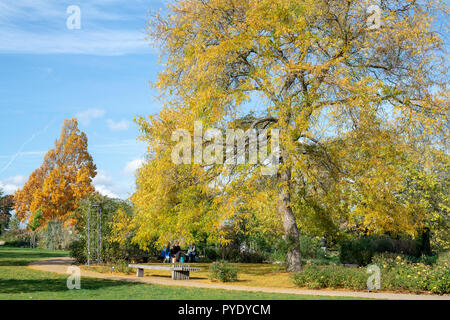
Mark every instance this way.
x=249 y=274
x=17 y=281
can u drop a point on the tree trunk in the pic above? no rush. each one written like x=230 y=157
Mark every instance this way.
x=289 y=222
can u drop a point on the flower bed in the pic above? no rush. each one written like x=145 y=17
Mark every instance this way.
x=398 y=273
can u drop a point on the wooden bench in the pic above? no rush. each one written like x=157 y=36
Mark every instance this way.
x=179 y=271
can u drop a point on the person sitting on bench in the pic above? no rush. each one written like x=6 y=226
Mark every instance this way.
x=192 y=253
x=174 y=252
x=165 y=254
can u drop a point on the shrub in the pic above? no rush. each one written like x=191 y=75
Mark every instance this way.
x=78 y=251
x=416 y=277
x=223 y=272
x=315 y=277
x=389 y=260
x=362 y=250
x=428 y=260
x=212 y=253
x=17 y=238
x=400 y=272
x=383 y=244
x=55 y=236
x=252 y=257
x=310 y=247
x=397 y=273
x=407 y=247
x=356 y=252
x=122 y=266
x=233 y=254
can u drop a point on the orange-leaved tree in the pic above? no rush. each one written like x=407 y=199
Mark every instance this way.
x=63 y=179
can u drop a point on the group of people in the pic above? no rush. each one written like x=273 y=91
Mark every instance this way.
x=176 y=255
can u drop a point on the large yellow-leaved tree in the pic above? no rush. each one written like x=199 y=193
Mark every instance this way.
x=338 y=78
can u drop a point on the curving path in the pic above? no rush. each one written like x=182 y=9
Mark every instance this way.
x=60 y=265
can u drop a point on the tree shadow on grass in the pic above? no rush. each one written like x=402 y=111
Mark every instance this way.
x=54 y=285
x=10 y=257
x=14 y=263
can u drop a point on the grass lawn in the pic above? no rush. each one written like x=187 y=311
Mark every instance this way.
x=249 y=274
x=19 y=282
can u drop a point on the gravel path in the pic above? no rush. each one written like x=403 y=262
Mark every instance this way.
x=59 y=265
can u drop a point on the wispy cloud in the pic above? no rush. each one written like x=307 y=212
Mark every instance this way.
x=24 y=154
x=108 y=27
x=87 y=116
x=118 y=126
x=104 y=43
x=20 y=151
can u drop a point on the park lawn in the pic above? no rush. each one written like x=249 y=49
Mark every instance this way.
x=249 y=274
x=17 y=281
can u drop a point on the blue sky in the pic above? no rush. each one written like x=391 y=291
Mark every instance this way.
x=99 y=74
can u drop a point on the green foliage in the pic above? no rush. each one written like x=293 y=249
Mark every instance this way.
x=397 y=273
x=122 y=266
x=14 y=223
x=55 y=236
x=315 y=277
x=17 y=237
x=78 y=251
x=253 y=257
x=223 y=272
x=388 y=258
x=234 y=255
x=310 y=247
x=36 y=220
x=361 y=251
x=112 y=251
x=357 y=252
x=6 y=208
x=400 y=273
x=211 y=253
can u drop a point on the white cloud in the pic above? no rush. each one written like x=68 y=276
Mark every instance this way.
x=105 y=191
x=118 y=126
x=10 y=185
x=132 y=167
x=87 y=116
x=105 y=185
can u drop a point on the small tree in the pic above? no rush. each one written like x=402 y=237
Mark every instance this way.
x=14 y=223
x=6 y=208
x=34 y=225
